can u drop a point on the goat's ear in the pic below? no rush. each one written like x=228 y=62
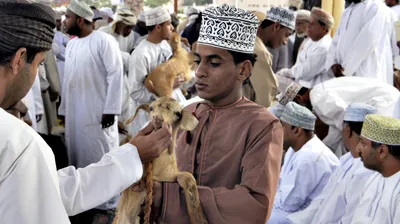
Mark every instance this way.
x=188 y=121
x=145 y=107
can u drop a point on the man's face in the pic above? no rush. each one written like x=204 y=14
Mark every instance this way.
x=368 y=154
x=315 y=29
x=301 y=28
x=347 y=137
x=287 y=135
x=123 y=29
x=21 y=78
x=275 y=35
x=216 y=73
x=166 y=30
x=281 y=37
x=71 y=23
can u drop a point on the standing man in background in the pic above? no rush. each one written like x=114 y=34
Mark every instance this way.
x=92 y=90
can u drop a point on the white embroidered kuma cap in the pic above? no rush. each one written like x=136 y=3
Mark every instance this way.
x=229 y=28
x=157 y=16
x=285 y=17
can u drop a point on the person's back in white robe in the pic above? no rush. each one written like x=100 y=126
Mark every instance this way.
x=32 y=191
x=380 y=201
x=340 y=197
x=330 y=99
x=146 y=57
x=362 y=43
x=303 y=177
x=92 y=87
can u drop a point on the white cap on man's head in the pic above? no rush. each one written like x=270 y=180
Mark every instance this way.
x=81 y=9
x=285 y=17
x=229 y=28
x=108 y=11
x=157 y=16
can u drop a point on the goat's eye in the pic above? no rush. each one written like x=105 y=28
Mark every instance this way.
x=151 y=108
x=178 y=114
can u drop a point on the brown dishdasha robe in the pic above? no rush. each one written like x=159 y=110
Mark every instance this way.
x=235 y=155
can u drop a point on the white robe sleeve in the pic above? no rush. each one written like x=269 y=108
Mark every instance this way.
x=331 y=55
x=138 y=70
x=37 y=95
x=62 y=107
x=396 y=216
x=28 y=190
x=85 y=188
x=312 y=67
x=294 y=189
x=353 y=193
x=366 y=41
x=112 y=61
x=307 y=215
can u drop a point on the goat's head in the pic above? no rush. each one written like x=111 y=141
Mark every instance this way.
x=175 y=40
x=168 y=110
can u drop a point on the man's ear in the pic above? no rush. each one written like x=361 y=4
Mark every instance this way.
x=383 y=151
x=347 y=130
x=276 y=27
x=245 y=70
x=18 y=61
x=188 y=121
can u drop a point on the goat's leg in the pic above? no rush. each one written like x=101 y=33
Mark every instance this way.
x=129 y=206
x=195 y=211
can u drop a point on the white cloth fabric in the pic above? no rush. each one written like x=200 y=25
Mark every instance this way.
x=34 y=101
x=28 y=176
x=362 y=43
x=144 y=59
x=339 y=199
x=303 y=177
x=126 y=44
x=380 y=201
x=330 y=99
x=396 y=111
x=59 y=46
x=396 y=9
x=309 y=69
x=92 y=87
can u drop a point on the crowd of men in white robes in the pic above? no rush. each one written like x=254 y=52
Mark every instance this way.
x=339 y=109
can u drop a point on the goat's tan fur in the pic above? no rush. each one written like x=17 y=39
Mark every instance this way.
x=161 y=79
x=162 y=169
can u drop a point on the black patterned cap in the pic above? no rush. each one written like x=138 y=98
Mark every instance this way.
x=229 y=28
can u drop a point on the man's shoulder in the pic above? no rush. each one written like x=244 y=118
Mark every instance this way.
x=105 y=29
x=15 y=135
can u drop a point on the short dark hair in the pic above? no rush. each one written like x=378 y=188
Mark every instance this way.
x=239 y=57
x=266 y=23
x=394 y=150
x=354 y=126
x=303 y=91
x=151 y=28
x=31 y=53
x=306 y=131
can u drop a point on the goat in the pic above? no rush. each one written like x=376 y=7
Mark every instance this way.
x=161 y=80
x=162 y=169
